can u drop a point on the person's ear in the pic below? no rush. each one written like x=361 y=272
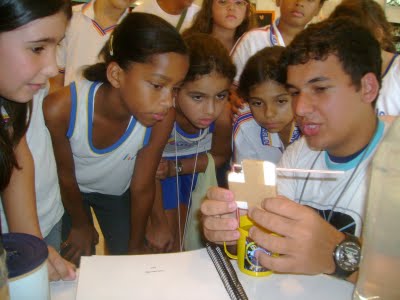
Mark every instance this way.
x=369 y=87
x=115 y=74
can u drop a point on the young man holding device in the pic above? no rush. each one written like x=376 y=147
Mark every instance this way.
x=333 y=75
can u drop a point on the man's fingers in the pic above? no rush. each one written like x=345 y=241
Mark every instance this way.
x=285 y=207
x=272 y=222
x=216 y=223
x=220 y=194
x=281 y=264
x=217 y=208
x=271 y=242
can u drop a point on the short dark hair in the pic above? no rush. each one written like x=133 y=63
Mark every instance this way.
x=356 y=48
x=262 y=66
x=16 y=13
x=137 y=38
x=207 y=54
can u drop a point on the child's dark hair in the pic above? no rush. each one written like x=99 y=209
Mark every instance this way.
x=208 y=54
x=14 y=14
x=355 y=47
x=203 y=22
x=262 y=66
x=136 y=39
x=370 y=14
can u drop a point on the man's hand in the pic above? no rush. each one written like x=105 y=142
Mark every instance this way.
x=305 y=242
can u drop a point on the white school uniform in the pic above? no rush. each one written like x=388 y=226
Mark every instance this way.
x=253 y=41
x=321 y=191
x=152 y=7
x=83 y=41
x=251 y=141
x=388 y=102
x=48 y=199
x=109 y=170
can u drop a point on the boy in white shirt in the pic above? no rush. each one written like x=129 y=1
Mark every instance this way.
x=179 y=13
x=294 y=16
x=333 y=74
x=89 y=29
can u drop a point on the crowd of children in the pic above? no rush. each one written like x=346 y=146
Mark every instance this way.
x=126 y=112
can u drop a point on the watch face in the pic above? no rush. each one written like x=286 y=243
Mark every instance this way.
x=348 y=256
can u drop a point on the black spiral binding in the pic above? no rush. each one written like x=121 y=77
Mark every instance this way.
x=226 y=272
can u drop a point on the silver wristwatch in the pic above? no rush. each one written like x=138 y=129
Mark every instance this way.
x=347 y=256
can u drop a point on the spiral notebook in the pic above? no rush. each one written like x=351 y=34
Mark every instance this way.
x=185 y=275
x=226 y=272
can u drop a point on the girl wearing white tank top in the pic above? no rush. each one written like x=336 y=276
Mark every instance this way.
x=110 y=163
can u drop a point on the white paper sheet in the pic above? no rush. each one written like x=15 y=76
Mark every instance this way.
x=187 y=275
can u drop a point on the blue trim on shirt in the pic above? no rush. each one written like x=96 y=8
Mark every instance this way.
x=72 y=115
x=272 y=35
x=147 y=136
x=390 y=64
x=241 y=119
x=212 y=127
x=122 y=139
x=345 y=159
x=193 y=135
x=353 y=163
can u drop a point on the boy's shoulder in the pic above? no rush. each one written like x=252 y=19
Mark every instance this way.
x=244 y=121
x=393 y=69
x=243 y=114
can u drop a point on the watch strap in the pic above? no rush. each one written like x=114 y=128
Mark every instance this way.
x=339 y=271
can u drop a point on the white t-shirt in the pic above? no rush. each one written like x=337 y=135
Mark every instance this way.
x=48 y=198
x=83 y=41
x=251 y=141
x=152 y=7
x=388 y=102
x=322 y=191
x=253 y=41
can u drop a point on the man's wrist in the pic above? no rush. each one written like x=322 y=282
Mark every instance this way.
x=347 y=256
x=339 y=237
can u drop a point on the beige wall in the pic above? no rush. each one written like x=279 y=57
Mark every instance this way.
x=270 y=5
x=392 y=13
